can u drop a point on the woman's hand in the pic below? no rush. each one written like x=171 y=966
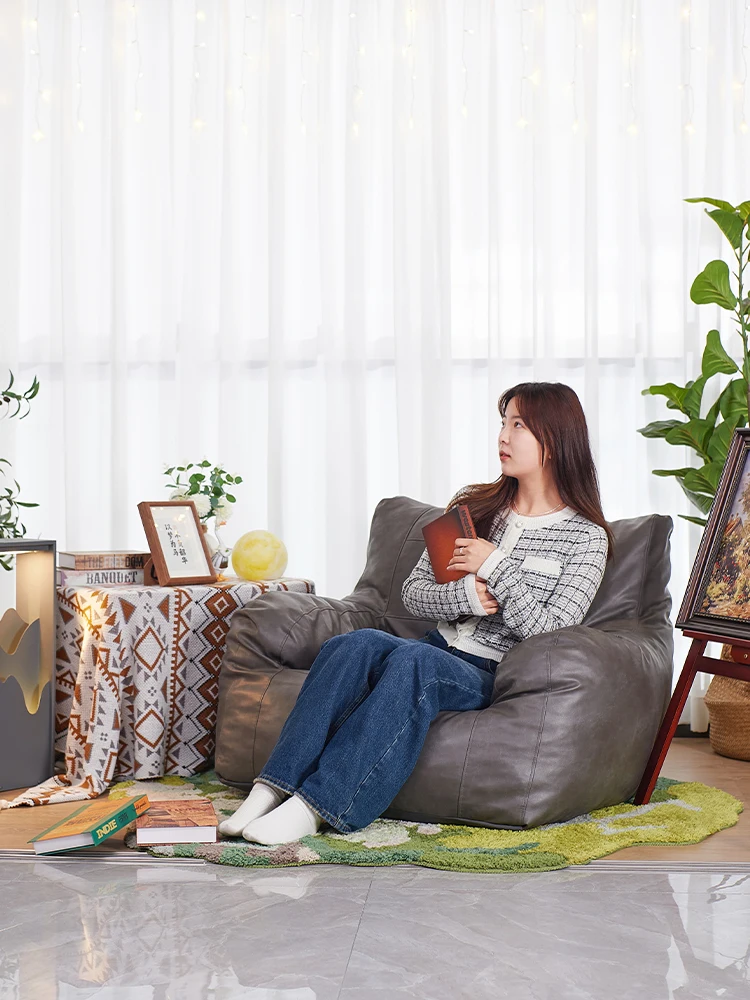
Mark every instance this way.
x=470 y=553
x=488 y=602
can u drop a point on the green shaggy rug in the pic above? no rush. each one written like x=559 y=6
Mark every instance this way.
x=679 y=813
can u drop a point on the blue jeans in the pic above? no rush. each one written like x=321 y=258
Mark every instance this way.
x=361 y=718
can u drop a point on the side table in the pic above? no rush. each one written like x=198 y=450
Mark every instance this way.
x=137 y=681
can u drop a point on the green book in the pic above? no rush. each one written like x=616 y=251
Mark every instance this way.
x=90 y=825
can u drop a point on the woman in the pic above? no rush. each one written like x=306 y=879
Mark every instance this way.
x=362 y=714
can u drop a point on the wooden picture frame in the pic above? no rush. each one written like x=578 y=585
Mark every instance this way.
x=177 y=542
x=717 y=598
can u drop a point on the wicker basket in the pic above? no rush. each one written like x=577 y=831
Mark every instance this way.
x=728 y=702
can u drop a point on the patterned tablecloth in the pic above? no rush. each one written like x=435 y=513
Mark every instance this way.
x=137 y=681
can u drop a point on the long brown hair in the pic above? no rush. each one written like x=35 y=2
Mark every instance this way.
x=553 y=413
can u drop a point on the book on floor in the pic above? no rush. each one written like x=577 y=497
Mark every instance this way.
x=177 y=821
x=99 y=577
x=90 y=825
x=440 y=538
x=102 y=560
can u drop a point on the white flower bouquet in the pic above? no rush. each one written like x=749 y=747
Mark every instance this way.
x=206 y=487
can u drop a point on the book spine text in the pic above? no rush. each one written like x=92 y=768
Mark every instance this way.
x=466 y=525
x=104 y=560
x=127 y=815
x=99 y=578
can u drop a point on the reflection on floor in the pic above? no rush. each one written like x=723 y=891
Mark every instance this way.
x=73 y=928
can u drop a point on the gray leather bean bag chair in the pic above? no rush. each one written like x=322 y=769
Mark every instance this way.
x=574 y=712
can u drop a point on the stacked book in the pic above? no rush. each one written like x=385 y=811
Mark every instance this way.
x=100 y=569
x=172 y=821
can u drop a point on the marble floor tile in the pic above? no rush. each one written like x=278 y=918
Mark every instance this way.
x=574 y=880
x=549 y=945
x=79 y=927
x=74 y=930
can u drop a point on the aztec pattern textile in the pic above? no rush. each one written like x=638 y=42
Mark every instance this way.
x=137 y=681
x=544 y=574
x=678 y=813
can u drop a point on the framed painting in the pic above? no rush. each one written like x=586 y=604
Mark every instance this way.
x=177 y=542
x=717 y=598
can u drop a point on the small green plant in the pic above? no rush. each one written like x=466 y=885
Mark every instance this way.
x=710 y=436
x=13 y=404
x=206 y=487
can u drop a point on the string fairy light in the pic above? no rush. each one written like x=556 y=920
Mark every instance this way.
x=246 y=58
x=687 y=87
x=198 y=44
x=632 y=127
x=37 y=135
x=135 y=40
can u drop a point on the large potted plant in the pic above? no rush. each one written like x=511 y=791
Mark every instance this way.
x=13 y=404
x=727 y=699
x=709 y=435
x=27 y=630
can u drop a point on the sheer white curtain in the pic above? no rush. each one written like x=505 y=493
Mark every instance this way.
x=316 y=240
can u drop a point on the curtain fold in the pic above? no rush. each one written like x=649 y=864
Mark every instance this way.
x=316 y=241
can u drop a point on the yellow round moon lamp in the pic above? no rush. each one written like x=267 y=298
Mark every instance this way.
x=259 y=555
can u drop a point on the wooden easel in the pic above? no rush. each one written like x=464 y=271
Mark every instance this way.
x=695 y=662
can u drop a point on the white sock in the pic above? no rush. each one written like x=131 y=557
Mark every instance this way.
x=261 y=800
x=292 y=820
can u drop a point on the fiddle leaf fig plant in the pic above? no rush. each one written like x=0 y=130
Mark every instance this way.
x=710 y=435
x=13 y=404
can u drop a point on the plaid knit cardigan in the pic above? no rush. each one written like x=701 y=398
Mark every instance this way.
x=544 y=574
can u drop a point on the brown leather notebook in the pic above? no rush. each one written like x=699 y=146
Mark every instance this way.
x=440 y=538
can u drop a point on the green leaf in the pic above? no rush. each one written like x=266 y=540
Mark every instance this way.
x=230 y=479
x=674 y=393
x=733 y=401
x=197 y=477
x=712 y=285
x=691 y=401
x=713 y=201
x=168 y=472
x=703 y=503
x=713 y=413
x=718 y=446
x=230 y=498
x=712 y=471
x=694 y=433
x=729 y=223
x=20 y=503
x=702 y=521
x=698 y=482
x=671 y=472
x=238 y=479
x=715 y=358
x=744 y=210
x=204 y=464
